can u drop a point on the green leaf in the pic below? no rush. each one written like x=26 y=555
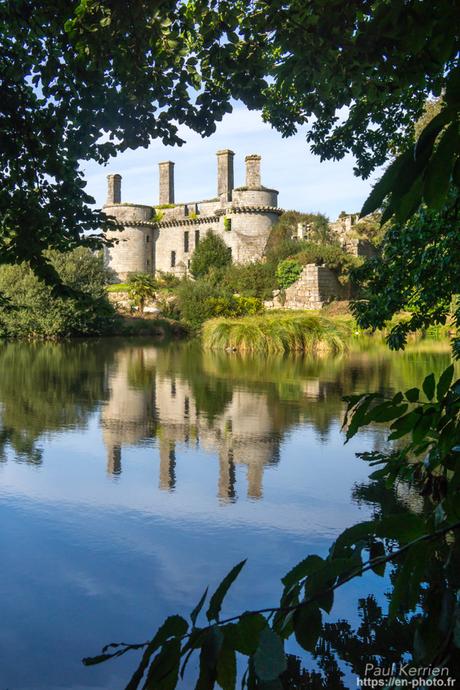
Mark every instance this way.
x=196 y=611
x=409 y=202
x=302 y=570
x=403 y=425
x=437 y=177
x=212 y=645
x=407 y=585
x=351 y=536
x=174 y=626
x=244 y=635
x=444 y=382
x=385 y=412
x=163 y=673
x=217 y=598
x=384 y=186
x=412 y=395
x=377 y=550
x=92 y=660
x=404 y=530
x=425 y=142
x=429 y=386
x=307 y=626
x=269 y=658
x=226 y=668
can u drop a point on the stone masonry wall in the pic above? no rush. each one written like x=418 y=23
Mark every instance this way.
x=315 y=286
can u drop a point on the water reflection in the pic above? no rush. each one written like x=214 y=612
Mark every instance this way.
x=238 y=409
x=117 y=451
x=148 y=399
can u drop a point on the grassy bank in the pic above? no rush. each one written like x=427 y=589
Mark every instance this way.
x=278 y=332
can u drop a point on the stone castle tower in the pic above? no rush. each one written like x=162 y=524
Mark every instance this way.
x=163 y=237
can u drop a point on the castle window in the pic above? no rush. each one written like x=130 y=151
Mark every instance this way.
x=173 y=259
x=147 y=238
x=186 y=241
x=197 y=237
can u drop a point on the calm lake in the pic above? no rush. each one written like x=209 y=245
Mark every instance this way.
x=132 y=475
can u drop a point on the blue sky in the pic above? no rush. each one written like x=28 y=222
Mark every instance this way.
x=304 y=182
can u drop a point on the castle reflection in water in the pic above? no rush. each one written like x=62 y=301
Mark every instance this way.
x=237 y=409
x=163 y=405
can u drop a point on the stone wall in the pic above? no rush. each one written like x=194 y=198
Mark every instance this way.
x=315 y=287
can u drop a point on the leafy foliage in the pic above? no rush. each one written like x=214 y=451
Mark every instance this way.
x=194 y=301
x=287 y=272
x=330 y=255
x=108 y=84
x=236 y=305
x=34 y=311
x=417 y=271
x=423 y=174
x=141 y=287
x=211 y=252
x=256 y=279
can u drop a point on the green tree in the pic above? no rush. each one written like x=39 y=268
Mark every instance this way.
x=418 y=270
x=108 y=82
x=33 y=309
x=211 y=252
x=141 y=287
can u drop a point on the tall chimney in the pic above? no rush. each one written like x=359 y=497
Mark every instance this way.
x=225 y=180
x=166 y=182
x=113 y=189
x=253 y=171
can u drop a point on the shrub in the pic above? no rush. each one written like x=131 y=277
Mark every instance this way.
x=330 y=255
x=211 y=252
x=167 y=281
x=194 y=301
x=252 y=280
x=283 y=237
x=235 y=305
x=288 y=272
x=34 y=309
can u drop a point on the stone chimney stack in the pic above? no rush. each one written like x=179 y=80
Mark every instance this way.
x=253 y=171
x=113 y=189
x=166 y=182
x=225 y=180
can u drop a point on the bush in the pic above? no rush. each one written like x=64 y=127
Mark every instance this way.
x=34 y=310
x=167 y=281
x=288 y=272
x=283 y=238
x=211 y=252
x=252 y=280
x=236 y=305
x=330 y=255
x=193 y=301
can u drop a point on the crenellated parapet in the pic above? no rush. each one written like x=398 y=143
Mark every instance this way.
x=242 y=216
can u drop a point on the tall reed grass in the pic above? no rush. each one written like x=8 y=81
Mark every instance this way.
x=276 y=333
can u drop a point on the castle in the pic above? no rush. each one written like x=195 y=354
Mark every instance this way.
x=164 y=237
